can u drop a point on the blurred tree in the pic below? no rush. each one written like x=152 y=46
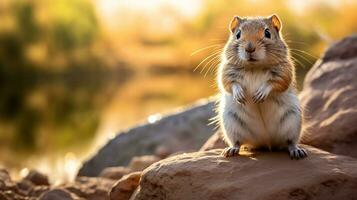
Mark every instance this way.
x=66 y=78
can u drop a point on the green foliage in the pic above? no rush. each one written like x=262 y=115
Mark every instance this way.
x=61 y=28
x=73 y=26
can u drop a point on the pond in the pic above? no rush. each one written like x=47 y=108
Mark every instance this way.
x=52 y=121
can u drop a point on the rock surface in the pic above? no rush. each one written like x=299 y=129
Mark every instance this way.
x=59 y=194
x=37 y=178
x=185 y=130
x=124 y=188
x=266 y=175
x=31 y=188
x=24 y=189
x=329 y=97
x=89 y=188
x=137 y=163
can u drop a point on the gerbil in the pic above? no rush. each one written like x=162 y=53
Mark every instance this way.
x=258 y=104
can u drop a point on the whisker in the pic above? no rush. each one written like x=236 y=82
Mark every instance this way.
x=212 y=59
x=208 y=57
x=217 y=39
x=302 y=57
x=297 y=61
x=207 y=47
x=276 y=57
x=296 y=42
x=213 y=64
x=304 y=52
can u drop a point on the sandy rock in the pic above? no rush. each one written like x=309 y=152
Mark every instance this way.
x=90 y=188
x=21 y=190
x=182 y=130
x=124 y=188
x=139 y=163
x=36 y=191
x=344 y=49
x=11 y=195
x=8 y=188
x=114 y=173
x=329 y=98
x=24 y=187
x=4 y=175
x=214 y=142
x=37 y=178
x=5 y=180
x=3 y=196
x=58 y=194
x=265 y=175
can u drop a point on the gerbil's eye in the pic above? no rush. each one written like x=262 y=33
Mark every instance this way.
x=267 y=33
x=238 y=34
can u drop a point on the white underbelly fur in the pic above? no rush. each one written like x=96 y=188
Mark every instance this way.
x=262 y=120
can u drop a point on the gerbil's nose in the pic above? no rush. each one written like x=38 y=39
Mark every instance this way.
x=250 y=48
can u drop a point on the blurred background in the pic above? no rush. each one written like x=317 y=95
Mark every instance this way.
x=73 y=73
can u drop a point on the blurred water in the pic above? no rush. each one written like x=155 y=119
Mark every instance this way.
x=44 y=121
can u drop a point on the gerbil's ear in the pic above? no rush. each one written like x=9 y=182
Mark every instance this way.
x=275 y=21
x=234 y=23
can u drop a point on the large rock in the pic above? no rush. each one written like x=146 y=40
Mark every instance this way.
x=344 y=49
x=266 y=175
x=185 y=130
x=4 y=175
x=329 y=97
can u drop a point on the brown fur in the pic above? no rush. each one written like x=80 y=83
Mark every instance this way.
x=258 y=104
x=277 y=58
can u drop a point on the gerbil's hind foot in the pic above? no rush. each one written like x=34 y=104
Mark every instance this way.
x=297 y=152
x=230 y=151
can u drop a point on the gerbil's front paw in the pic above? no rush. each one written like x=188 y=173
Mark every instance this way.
x=238 y=94
x=230 y=151
x=262 y=93
x=297 y=152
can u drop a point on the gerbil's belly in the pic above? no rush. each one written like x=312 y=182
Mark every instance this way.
x=263 y=122
x=263 y=118
x=252 y=81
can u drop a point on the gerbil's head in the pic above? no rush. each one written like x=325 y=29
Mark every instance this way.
x=255 y=41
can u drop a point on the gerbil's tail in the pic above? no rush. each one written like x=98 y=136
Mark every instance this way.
x=306 y=135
